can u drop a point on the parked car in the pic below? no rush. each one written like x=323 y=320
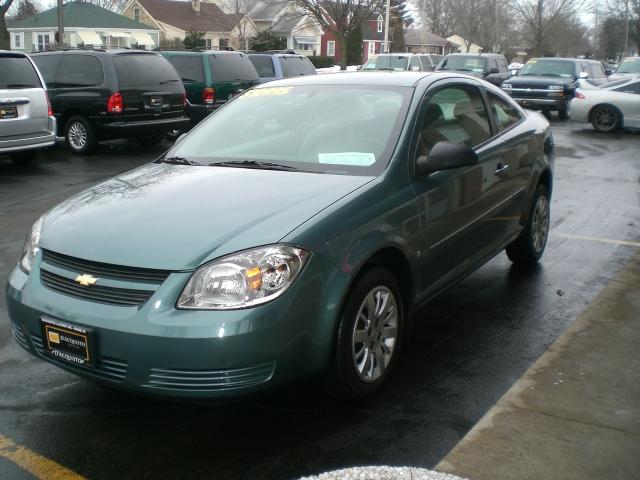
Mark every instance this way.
x=608 y=107
x=629 y=66
x=278 y=66
x=27 y=124
x=414 y=62
x=103 y=95
x=491 y=67
x=548 y=83
x=211 y=78
x=251 y=260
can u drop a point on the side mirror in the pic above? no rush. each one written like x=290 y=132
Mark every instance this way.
x=445 y=156
x=583 y=75
x=514 y=73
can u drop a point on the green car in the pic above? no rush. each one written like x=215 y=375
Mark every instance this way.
x=237 y=262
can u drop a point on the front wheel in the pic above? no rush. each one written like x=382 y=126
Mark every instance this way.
x=369 y=336
x=605 y=119
x=528 y=248
x=564 y=112
x=79 y=135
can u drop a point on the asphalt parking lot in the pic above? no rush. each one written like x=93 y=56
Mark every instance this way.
x=472 y=343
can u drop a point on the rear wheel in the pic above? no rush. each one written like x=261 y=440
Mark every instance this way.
x=605 y=119
x=369 y=336
x=529 y=247
x=79 y=135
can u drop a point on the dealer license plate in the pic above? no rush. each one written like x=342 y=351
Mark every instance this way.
x=67 y=342
x=8 y=112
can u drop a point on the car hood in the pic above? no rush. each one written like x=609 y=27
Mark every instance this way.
x=176 y=217
x=619 y=76
x=538 y=82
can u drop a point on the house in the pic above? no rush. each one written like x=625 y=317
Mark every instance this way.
x=464 y=46
x=301 y=32
x=421 y=40
x=175 y=19
x=85 y=24
x=372 y=40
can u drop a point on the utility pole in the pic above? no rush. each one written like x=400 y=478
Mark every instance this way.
x=386 y=28
x=626 y=27
x=60 y=23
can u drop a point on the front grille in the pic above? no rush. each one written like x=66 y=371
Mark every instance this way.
x=106 y=368
x=132 y=274
x=123 y=297
x=19 y=336
x=210 y=380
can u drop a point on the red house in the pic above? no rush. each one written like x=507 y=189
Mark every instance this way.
x=372 y=40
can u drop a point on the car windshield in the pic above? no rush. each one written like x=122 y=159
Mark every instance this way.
x=464 y=64
x=549 y=68
x=340 y=129
x=387 y=62
x=17 y=72
x=631 y=65
x=144 y=70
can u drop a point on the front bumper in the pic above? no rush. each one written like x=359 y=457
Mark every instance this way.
x=21 y=143
x=543 y=102
x=158 y=349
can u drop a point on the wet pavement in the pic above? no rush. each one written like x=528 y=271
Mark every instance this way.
x=471 y=344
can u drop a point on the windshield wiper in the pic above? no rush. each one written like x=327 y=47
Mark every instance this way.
x=178 y=161
x=170 y=81
x=252 y=164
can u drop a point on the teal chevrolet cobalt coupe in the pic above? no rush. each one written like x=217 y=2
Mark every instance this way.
x=293 y=232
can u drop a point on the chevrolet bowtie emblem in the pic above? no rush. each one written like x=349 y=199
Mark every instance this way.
x=86 y=280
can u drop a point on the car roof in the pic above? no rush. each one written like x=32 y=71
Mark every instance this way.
x=484 y=55
x=11 y=53
x=399 y=79
x=92 y=51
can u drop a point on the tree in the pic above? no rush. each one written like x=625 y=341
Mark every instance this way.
x=399 y=18
x=610 y=42
x=26 y=8
x=194 y=39
x=239 y=8
x=339 y=17
x=354 y=47
x=266 y=40
x=617 y=9
x=437 y=16
x=113 y=5
x=4 y=33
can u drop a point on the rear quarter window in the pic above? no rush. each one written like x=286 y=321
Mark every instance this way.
x=48 y=65
x=229 y=67
x=263 y=65
x=144 y=70
x=17 y=72
x=189 y=67
x=79 y=71
x=296 y=66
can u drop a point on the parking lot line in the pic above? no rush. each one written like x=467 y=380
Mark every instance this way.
x=598 y=239
x=37 y=465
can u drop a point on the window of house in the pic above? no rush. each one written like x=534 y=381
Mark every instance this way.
x=504 y=112
x=136 y=14
x=380 y=24
x=331 y=48
x=17 y=41
x=223 y=42
x=372 y=48
x=207 y=43
x=42 y=41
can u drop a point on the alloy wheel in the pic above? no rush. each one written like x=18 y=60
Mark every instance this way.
x=77 y=134
x=375 y=334
x=605 y=118
x=540 y=224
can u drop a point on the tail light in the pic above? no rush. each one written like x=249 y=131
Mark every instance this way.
x=209 y=96
x=49 y=109
x=115 y=103
x=580 y=96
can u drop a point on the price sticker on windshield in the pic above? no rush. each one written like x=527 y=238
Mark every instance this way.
x=267 y=92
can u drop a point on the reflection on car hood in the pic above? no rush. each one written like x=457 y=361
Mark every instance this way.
x=176 y=217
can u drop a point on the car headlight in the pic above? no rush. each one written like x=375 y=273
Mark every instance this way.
x=506 y=85
x=31 y=245
x=557 y=88
x=243 y=279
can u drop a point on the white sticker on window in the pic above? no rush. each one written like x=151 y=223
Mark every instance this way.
x=356 y=159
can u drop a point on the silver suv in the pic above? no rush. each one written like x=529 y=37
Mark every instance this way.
x=26 y=120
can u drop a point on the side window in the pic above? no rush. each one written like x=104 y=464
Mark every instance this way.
x=504 y=112
x=189 y=67
x=502 y=65
x=47 y=64
x=493 y=64
x=629 y=88
x=79 y=71
x=415 y=63
x=454 y=114
x=597 y=70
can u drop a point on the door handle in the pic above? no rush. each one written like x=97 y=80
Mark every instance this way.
x=501 y=170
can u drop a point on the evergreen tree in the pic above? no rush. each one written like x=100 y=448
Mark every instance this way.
x=26 y=8
x=399 y=18
x=354 y=47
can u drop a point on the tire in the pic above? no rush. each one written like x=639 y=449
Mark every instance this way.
x=152 y=139
x=564 y=113
x=172 y=135
x=23 y=157
x=606 y=119
x=355 y=372
x=528 y=248
x=79 y=135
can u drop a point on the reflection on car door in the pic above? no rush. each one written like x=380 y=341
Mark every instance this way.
x=462 y=210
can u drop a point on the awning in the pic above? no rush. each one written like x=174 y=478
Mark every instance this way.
x=306 y=40
x=117 y=34
x=89 y=37
x=143 y=38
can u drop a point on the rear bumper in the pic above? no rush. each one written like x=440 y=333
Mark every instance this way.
x=21 y=143
x=122 y=129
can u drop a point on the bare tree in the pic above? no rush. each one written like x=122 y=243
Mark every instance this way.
x=541 y=17
x=438 y=16
x=340 y=17
x=113 y=5
x=4 y=34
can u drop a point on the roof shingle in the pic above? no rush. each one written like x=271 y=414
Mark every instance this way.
x=181 y=15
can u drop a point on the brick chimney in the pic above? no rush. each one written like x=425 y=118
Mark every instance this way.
x=195 y=4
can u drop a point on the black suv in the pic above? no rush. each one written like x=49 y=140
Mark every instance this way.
x=549 y=83
x=491 y=67
x=102 y=95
